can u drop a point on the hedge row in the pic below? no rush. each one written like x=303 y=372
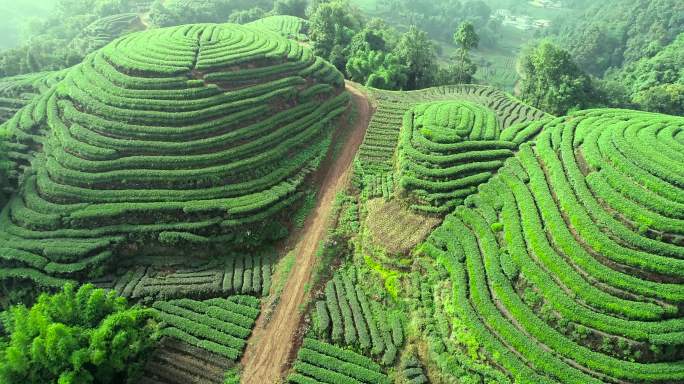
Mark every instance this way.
x=221 y=326
x=326 y=363
x=348 y=317
x=563 y=218
x=173 y=137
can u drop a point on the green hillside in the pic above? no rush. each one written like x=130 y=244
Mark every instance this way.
x=567 y=266
x=288 y=26
x=184 y=136
x=447 y=148
x=343 y=192
x=17 y=91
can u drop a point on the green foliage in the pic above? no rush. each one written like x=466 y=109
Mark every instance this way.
x=655 y=83
x=333 y=24
x=303 y=212
x=616 y=33
x=376 y=154
x=561 y=236
x=290 y=7
x=211 y=160
x=377 y=69
x=288 y=26
x=463 y=70
x=438 y=18
x=221 y=326
x=247 y=15
x=466 y=37
x=348 y=316
x=551 y=81
x=322 y=362
x=76 y=336
x=74 y=29
x=232 y=376
x=177 y=12
x=667 y=98
x=446 y=149
x=416 y=51
x=5 y=167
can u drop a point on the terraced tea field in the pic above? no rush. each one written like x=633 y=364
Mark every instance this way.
x=377 y=152
x=449 y=235
x=291 y=27
x=348 y=317
x=248 y=273
x=205 y=146
x=448 y=148
x=324 y=363
x=16 y=92
x=607 y=274
x=202 y=339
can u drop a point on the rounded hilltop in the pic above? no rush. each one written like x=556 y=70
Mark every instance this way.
x=185 y=136
x=447 y=148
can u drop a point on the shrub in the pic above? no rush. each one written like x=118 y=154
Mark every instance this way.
x=83 y=335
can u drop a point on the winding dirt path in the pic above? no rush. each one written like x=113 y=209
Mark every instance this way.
x=271 y=342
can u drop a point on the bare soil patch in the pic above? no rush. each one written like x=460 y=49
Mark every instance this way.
x=266 y=357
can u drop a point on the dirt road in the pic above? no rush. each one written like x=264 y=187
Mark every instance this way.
x=271 y=343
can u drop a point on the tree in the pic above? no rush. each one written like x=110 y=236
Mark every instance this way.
x=370 y=58
x=666 y=98
x=466 y=37
x=462 y=72
x=76 y=337
x=459 y=72
x=290 y=7
x=377 y=69
x=612 y=33
x=417 y=53
x=331 y=29
x=477 y=11
x=246 y=16
x=164 y=13
x=550 y=80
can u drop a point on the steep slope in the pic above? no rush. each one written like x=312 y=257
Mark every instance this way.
x=165 y=141
x=568 y=265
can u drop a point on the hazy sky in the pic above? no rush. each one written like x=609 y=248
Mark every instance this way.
x=13 y=13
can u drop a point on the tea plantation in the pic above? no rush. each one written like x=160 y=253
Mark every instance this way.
x=567 y=265
x=223 y=175
x=447 y=148
x=291 y=27
x=170 y=138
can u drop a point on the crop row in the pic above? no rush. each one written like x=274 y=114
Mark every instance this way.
x=349 y=317
x=220 y=326
x=447 y=148
x=291 y=27
x=176 y=136
x=561 y=217
x=325 y=363
x=176 y=362
x=377 y=154
x=247 y=274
